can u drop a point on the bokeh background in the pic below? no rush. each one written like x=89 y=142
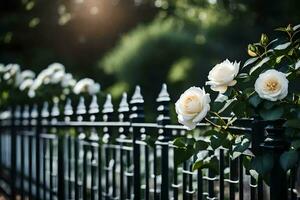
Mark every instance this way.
x=122 y=43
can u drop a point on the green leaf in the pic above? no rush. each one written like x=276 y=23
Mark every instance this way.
x=292 y=123
x=250 y=61
x=289 y=159
x=247 y=162
x=219 y=140
x=210 y=162
x=296 y=27
x=182 y=154
x=272 y=114
x=261 y=63
x=200 y=145
x=239 y=109
x=262 y=164
x=202 y=155
x=243 y=76
x=248 y=92
x=242 y=143
x=254 y=174
x=279 y=58
x=210 y=132
x=275 y=40
x=254 y=100
x=282 y=46
x=179 y=142
x=216 y=106
x=183 y=150
x=281 y=29
x=269 y=104
x=183 y=142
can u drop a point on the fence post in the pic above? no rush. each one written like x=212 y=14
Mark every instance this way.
x=81 y=152
x=33 y=123
x=107 y=116
x=163 y=119
x=136 y=116
x=69 y=115
x=94 y=147
x=276 y=145
x=123 y=131
x=56 y=115
x=257 y=138
x=15 y=120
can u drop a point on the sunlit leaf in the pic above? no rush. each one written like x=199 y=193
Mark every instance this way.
x=250 y=61
x=296 y=27
x=261 y=63
x=282 y=46
x=210 y=162
x=278 y=59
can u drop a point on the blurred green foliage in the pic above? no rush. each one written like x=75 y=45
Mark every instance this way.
x=187 y=38
x=144 y=56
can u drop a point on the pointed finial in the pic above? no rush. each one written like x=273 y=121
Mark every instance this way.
x=25 y=113
x=137 y=96
x=108 y=106
x=68 y=107
x=124 y=106
x=45 y=112
x=163 y=109
x=34 y=112
x=55 y=109
x=163 y=95
x=17 y=112
x=81 y=106
x=94 y=107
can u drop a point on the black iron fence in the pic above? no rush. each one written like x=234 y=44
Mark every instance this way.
x=80 y=152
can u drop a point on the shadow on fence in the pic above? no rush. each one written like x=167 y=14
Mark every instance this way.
x=78 y=152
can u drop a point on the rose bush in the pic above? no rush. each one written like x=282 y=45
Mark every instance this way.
x=265 y=87
x=17 y=86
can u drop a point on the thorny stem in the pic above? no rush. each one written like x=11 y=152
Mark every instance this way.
x=212 y=123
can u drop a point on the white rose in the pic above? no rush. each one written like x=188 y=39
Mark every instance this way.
x=297 y=65
x=2 y=68
x=94 y=89
x=26 y=84
x=57 y=77
x=86 y=85
x=68 y=80
x=222 y=76
x=272 y=85
x=192 y=107
x=26 y=74
x=56 y=67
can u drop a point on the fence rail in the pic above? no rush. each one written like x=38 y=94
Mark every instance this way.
x=80 y=152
